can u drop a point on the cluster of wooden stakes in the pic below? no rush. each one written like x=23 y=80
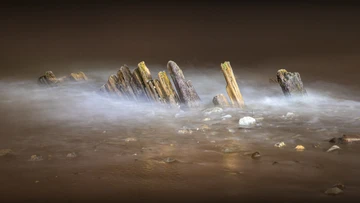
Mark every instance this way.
x=139 y=85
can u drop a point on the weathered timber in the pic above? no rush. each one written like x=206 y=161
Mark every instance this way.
x=273 y=81
x=79 y=76
x=232 y=87
x=160 y=91
x=152 y=86
x=140 y=86
x=187 y=94
x=221 y=101
x=50 y=79
x=112 y=86
x=103 y=90
x=126 y=81
x=169 y=92
x=345 y=139
x=290 y=83
x=146 y=77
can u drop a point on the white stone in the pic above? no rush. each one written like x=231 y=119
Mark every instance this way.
x=226 y=116
x=333 y=148
x=247 y=121
x=213 y=110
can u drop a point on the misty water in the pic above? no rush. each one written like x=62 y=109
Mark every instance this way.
x=127 y=146
x=69 y=143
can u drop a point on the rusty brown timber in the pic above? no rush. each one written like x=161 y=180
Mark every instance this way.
x=140 y=85
x=49 y=78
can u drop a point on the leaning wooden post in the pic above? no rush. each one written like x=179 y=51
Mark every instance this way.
x=232 y=87
x=112 y=86
x=185 y=89
x=127 y=82
x=169 y=92
x=146 y=78
x=48 y=78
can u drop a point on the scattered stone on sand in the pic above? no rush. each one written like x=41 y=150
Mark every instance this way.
x=206 y=119
x=185 y=131
x=169 y=160
x=220 y=100
x=247 y=121
x=213 y=110
x=280 y=144
x=231 y=130
x=204 y=127
x=340 y=186
x=130 y=139
x=288 y=115
x=104 y=131
x=333 y=148
x=334 y=191
x=6 y=152
x=36 y=158
x=229 y=150
x=71 y=155
x=259 y=119
x=299 y=148
x=36 y=181
x=226 y=116
x=256 y=155
x=213 y=133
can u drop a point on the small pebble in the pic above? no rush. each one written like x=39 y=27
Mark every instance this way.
x=300 y=148
x=280 y=144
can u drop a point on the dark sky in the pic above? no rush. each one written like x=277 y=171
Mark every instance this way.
x=35 y=34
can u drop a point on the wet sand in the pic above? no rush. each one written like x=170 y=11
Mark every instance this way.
x=122 y=150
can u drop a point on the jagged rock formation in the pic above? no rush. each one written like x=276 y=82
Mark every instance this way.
x=221 y=101
x=140 y=86
x=290 y=83
x=49 y=78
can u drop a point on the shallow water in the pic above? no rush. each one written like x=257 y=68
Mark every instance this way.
x=121 y=148
x=127 y=152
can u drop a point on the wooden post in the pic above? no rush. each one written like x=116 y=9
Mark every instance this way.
x=169 y=92
x=78 y=76
x=126 y=81
x=290 y=83
x=112 y=86
x=160 y=91
x=185 y=89
x=140 y=86
x=232 y=87
x=48 y=78
x=146 y=77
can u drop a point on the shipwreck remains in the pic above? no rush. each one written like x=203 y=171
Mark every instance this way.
x=139 y=85
x=290 y=83
x=49 y=78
